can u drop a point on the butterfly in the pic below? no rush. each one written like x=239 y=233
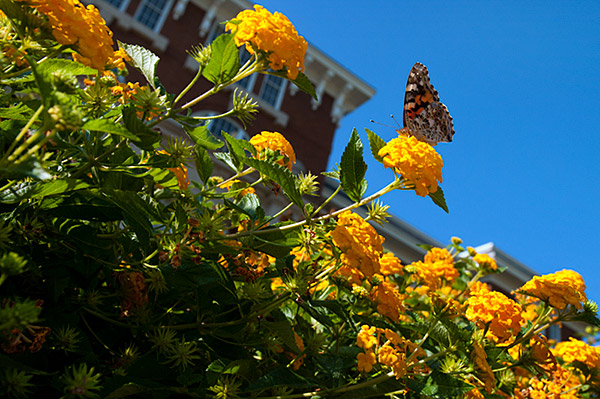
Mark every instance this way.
x=425 y=117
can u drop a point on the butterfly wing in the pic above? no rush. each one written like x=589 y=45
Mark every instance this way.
x=424 y=115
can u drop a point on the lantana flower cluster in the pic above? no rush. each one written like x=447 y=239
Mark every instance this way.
x=416 y=161
x=274 y=142
x=559 y=289
x=272 y=34
x=361 y=246
x=386 y=347
x=437 y=267
x=497 y=312
x=73 y=24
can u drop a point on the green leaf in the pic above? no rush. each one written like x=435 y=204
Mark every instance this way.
x=283 y=330
x=44 y=189
x=276 y=243
x=149 y=138
x=334 y=307
x=225 y=157
x=137 y=213
x=353 y=169
x=248 y=205
x=225 y=277
x=65 y=67
x=224 y=61
x=164 y=177
x=44 y=78
x=237 y=149
x=190 y=276
x=28 y=168
x=443 y=385
x=439 y=199
x=376 y=143
x=304 y=84
x=143 y=60
x=281 y=376
x=280 y=175
x=20 y=112
x=202 y=137
x=334 y=174
x=204 y=165
x=107 y=126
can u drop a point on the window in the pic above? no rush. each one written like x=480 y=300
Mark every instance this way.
x=227 y=125
x=153 y=13
x=217 y=30
x=272 y=90
x=120 y=4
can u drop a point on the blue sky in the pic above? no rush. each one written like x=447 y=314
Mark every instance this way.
x=522 y=82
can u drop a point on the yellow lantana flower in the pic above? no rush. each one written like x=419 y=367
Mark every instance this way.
x=576 y=350
x=180 y=172
x=561 y=383
x=394 y=359
x=486 y=262
x=559 y=289
x=365 y=338
x=390 y=264
x=389 y=300
x=416 y=161
x=274 y=141
x=360 y=244
x=82 y=27
x=272 y=34
x=437 y=265
x=496 y=310
x=480 y=358
x=366 y=361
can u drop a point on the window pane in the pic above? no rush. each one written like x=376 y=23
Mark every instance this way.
x=218 y=29
x=217 y=125
x=271 y=88
x=116 y=3
x=224 y=124
x=150 y=12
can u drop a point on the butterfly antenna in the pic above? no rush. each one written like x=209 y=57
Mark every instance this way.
x=395 y=120
x=382 y=124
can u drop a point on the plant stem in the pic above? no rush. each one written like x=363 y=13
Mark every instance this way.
x=337 y=190
x=22 y=133
x=392 y=186
x=188 y=87
x=100 y=157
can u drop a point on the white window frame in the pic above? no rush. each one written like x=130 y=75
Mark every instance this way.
x=280 y=94
x=161 y=19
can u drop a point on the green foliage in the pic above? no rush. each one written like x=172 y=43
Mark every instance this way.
x=439 y=199
x=224 y=61
x=121 y=278
x=143 y=60
x=353 y=169
x=375 y=143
